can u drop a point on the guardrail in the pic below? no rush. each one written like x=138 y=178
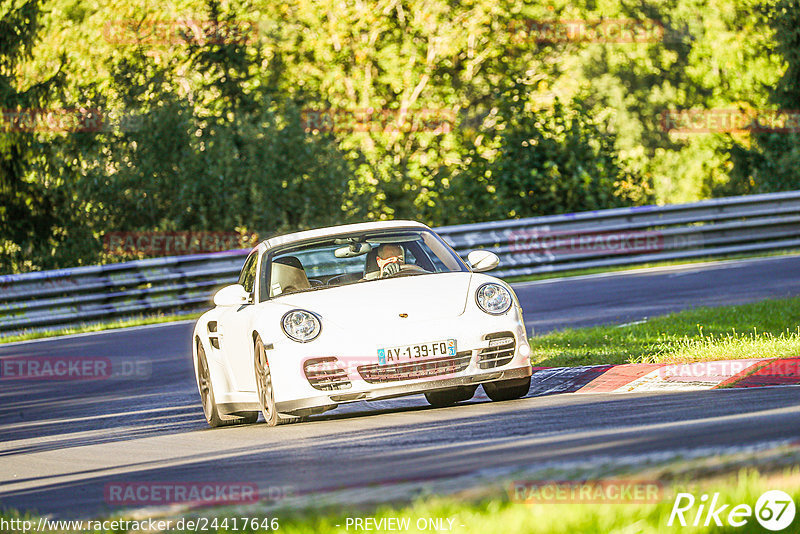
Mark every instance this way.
x=604 y=238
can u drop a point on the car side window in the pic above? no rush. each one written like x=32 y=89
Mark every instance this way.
x=248 y=276
x=416 y=255
x=263 y=287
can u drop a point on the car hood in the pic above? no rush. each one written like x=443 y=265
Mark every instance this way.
x=422 y=297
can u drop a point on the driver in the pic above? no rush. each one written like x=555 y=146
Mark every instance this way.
x=390 y=259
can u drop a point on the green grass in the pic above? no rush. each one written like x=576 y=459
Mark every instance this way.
x=97 y=327
x=765 y=329
x=636 y=267
x=501 y=514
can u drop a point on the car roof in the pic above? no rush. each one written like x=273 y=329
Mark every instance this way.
x=285 y=239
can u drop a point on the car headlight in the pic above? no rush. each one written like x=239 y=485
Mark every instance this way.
x=493 y=298
x=301 y=326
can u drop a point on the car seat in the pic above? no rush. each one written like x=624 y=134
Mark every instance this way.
x=371 y=269
x=287 y=276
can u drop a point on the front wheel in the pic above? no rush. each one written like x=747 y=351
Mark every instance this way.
x=213 y=417
x=507 y=389
x=448 y=397
x=266 y=395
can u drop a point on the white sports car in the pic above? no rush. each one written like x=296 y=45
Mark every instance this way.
x=357 y=312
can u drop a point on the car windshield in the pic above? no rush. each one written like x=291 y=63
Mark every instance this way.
x=350 y=259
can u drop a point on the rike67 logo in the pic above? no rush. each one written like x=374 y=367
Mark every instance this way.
x=774 y=511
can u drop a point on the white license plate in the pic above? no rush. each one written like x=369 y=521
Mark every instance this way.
x=420 y=351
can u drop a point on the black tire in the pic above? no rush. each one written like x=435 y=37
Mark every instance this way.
x=248 y=418
x=448 y=397
x=291 y=420
x=507 y=389
x=266 y=395
x=210 y=409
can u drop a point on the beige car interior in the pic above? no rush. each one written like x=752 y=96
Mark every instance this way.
x=287 y=276
x=371 y=270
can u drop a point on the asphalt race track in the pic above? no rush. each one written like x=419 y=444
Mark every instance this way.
x=61 y=442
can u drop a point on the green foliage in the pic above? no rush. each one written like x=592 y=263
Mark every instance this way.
x=216 y=137
x=543 y=161
x=711 y=56
x=771 y=161
x=240 y=161
x=410 y=59
x=28 y=205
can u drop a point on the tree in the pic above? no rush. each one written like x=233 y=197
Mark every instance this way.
x=414 y=62
x=209 y=150
x=29 y=202
x=707 y=56
x=224 y=141
x=771 y=162
x=543 y=161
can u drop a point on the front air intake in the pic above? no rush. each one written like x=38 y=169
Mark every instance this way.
x=499 y=352
x=326 y=374
x=376 y=373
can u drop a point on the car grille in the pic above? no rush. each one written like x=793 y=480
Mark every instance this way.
x=499 y=352
x=375 y=374
x=326 y=374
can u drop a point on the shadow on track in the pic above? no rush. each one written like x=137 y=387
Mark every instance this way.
x=369 y=449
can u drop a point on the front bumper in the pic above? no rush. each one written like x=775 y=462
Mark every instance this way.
x=400 y=389
x=295 y=394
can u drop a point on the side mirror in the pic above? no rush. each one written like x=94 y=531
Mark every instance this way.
x=233 y=295
x=482 y=260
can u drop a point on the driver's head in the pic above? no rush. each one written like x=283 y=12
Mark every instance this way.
x=390 y=250
x=389 y=253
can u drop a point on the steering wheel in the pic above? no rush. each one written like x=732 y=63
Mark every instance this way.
x=336 y=279
x=406 y=269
